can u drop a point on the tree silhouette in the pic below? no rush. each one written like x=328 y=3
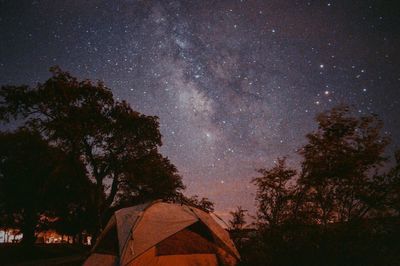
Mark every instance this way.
x=136 y=186
x=83 y=119
x=202 y=203
x=275 y=196
x=393 y=185
x=236 y=226
x=341 y=163
x=342 y=208
x=238 y=220
x=29 y=175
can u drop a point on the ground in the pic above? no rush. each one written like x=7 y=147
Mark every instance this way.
x=42 y=254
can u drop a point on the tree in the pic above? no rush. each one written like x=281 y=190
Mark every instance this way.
x=393 y=185
x=29 y=171
x=282 y=219
x=136 y=186
x=275 y=195
x=342 y=208
x=75 y=214
x=83 y=119
x=238 y=220
x=236 y=226
x=341 y=163
x=203 y=204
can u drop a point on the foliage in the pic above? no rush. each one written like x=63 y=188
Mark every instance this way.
x=393 y=180
x=275 y=196
x=238 y=220
x=139 y=188
x=30 y=175
x=342 y=209
x=340 y=167
x=237 y=225
x=118 y=146
x=204 y=203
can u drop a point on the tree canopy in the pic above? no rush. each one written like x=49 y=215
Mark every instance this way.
x=117 y=145
x=37 y=181
x=341 y=163
x=340 y=208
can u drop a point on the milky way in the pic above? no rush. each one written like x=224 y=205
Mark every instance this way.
x=235 y=83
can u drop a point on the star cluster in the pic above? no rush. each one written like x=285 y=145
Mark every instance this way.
x=235 y=83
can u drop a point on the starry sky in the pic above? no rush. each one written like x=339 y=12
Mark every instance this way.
x=235 y=83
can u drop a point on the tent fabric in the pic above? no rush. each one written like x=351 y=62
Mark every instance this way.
x=101 y=260
x=150 y=258
x=219 y=232
x=161 y=233
x=125 y=220
x=158 y=222
x=108 y=242
x=185 y=242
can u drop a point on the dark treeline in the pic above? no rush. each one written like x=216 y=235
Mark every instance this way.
x=341 y=208
x=76 y=156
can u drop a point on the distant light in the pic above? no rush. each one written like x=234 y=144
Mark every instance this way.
x=321 y=66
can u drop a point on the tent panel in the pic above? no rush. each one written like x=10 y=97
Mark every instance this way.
x=149 y=258
x=185 y=242
x=107 y=241
x=157 y=223
x=219 y=232
x=225 y=257
x=108 y=244
x=97 y=259
x=125 y=219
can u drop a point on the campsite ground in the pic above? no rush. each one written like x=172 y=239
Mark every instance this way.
x=42 y=254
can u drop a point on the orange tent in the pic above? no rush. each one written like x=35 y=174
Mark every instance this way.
x=161 y=233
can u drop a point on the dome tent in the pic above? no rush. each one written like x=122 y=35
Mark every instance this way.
x=161 y=233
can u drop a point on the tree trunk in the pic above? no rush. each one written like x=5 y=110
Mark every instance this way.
x=79 y=240
x=28 y=232
x=28 y=228
x=100 y=207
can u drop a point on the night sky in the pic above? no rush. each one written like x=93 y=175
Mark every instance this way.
x=235 y=83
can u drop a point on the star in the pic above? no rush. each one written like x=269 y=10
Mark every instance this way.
x=234 y=86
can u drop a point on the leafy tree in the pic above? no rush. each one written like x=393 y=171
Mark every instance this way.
x=204 y=203
x=76 y=213
x=136 y=186
x=275 y=195
x=281 y=215
x=83 y=119
x=238 y=220
x=341 y=210
x=236 y=226
x=393 y=192
x=341 y=163
x=29 y=171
